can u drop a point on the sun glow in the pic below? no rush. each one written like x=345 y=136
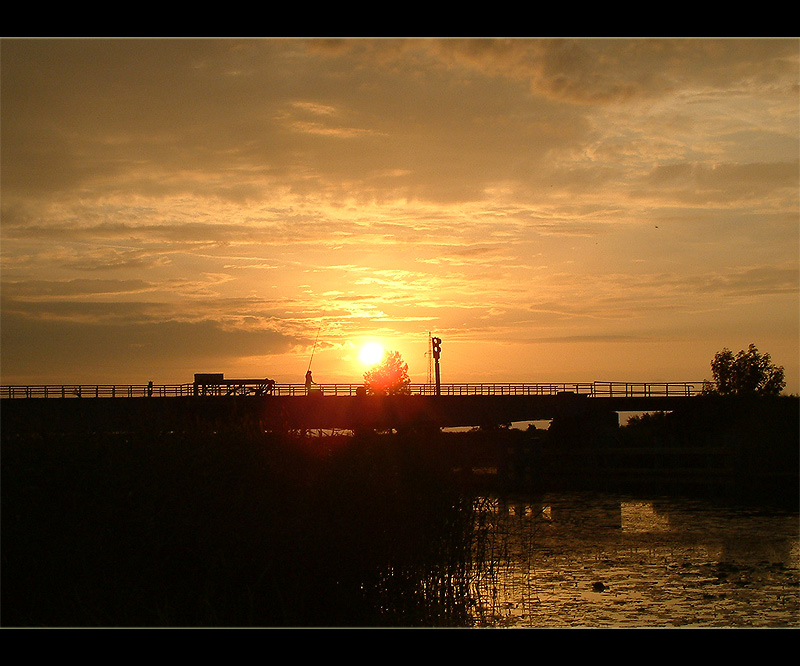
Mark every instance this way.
x=371 y=353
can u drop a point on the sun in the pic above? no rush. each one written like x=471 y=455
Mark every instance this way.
x=371 y=353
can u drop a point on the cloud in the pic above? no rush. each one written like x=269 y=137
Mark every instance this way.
x=37 y=347
x=73 y=288
x=728 y=184
x=526 y=188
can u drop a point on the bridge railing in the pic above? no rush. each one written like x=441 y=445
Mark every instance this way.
x=590 y=389
x=95 y=390
x=646 y=390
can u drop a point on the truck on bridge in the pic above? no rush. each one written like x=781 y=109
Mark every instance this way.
x=213 y=383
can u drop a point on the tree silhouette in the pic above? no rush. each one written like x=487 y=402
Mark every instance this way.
x=746 y=373
x=389 y=377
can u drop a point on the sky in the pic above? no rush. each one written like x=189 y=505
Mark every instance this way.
x=555 y=210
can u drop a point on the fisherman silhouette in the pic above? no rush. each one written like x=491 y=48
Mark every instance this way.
x=309 y=381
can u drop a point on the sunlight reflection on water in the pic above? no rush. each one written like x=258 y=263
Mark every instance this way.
x=595 y=560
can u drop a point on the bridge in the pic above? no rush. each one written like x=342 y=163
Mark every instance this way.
x=217 y=385
x=269 y=405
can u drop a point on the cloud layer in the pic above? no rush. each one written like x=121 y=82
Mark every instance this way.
x=171 y=206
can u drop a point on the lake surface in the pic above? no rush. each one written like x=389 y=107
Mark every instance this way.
x=206 y=530
x=603 y=561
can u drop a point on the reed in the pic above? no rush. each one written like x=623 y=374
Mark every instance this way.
x=237 y=529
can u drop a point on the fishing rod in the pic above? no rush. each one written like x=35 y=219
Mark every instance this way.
x=314 y=348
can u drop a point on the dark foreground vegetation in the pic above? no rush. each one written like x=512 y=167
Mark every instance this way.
x=756 y=440
x=230 y=530
x=244 y=528
x=740 y=448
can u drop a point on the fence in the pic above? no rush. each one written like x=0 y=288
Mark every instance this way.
x=590 y=389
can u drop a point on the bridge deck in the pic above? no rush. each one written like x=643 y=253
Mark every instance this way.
x=259 y=387
x=104 y=408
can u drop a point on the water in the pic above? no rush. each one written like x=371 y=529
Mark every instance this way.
x=600 y=560
x=204 y=530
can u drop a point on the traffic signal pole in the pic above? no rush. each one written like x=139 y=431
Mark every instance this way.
x=437 y=351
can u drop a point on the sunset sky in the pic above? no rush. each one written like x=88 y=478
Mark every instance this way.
x=556 y=210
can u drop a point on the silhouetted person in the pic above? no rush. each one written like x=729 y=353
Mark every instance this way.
x=309 y=381
x=149 y=389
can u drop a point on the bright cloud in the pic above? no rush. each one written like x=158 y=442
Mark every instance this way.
x=525 y=198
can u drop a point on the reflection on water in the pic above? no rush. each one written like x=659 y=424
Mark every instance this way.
x=596 y=560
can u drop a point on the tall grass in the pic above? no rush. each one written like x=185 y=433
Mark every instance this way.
x=235 y=529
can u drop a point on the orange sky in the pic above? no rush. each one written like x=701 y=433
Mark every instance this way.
x=556 y=210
